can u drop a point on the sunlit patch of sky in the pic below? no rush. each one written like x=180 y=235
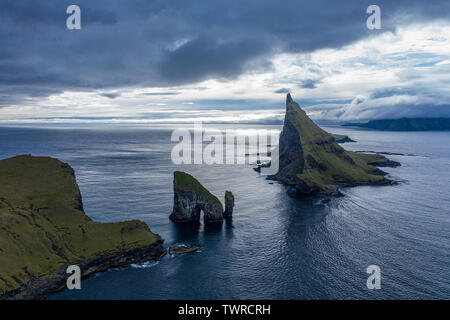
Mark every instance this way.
x=401 y=71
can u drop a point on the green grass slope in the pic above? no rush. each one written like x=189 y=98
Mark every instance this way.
x=320 y=163
x=43 y=226
x=185 y=181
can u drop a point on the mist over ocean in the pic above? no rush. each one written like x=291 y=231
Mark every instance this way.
x=276 y=246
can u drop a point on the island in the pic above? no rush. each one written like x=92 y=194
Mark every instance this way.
x=191 y=198
x=405 y=124
x=44 y=229
x=312 y=161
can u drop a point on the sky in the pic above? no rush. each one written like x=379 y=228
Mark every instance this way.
x=232 y=61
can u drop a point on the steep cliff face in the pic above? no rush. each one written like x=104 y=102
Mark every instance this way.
x=311 y=159
x=229 y=204
x=43 y=229
x=191 y=198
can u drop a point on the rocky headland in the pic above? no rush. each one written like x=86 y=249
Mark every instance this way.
x=43 y=229
x=311 y=160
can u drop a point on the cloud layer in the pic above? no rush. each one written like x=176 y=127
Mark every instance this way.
x=175 y=49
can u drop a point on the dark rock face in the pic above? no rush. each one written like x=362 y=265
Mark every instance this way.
x=311 y=160
x=288 y=99
x=229 y=204
x=182 y=249
x=43 y=230
x=38 y=288
x=188 y=204
x=191 y=198
x=291 y=154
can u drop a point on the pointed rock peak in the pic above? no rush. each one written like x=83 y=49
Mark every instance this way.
x=312 y=161
x=289 y=99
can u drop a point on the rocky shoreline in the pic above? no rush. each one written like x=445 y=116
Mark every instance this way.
x=37 y=289
x=44 y=229
x=177 y=250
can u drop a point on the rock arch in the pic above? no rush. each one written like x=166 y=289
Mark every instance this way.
x=191 y=198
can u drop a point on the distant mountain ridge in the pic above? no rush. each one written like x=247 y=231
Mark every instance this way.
x=406 y=124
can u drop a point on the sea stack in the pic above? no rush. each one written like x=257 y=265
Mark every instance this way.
x=229 y=204
x=312 y=161
x=190 y=198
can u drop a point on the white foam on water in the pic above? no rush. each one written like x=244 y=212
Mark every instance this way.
x=147 y=264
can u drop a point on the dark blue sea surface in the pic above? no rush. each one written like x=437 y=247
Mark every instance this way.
x=276 y=246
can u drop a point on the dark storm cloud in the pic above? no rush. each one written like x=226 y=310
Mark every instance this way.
x=309 y=84
x=206 y=57
x=390 y=92
x=173 y=42
x=110 y=95
x=283 y=90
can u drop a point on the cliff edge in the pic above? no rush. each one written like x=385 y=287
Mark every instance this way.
x=312 y=161
x=43 y=229
x=191 y=198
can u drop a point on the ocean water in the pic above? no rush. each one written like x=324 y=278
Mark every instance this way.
x=276 y=246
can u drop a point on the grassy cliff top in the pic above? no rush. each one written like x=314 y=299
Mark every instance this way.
x=185 y=181
x=322 y=162
x=306 y=128
x=43 y=226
